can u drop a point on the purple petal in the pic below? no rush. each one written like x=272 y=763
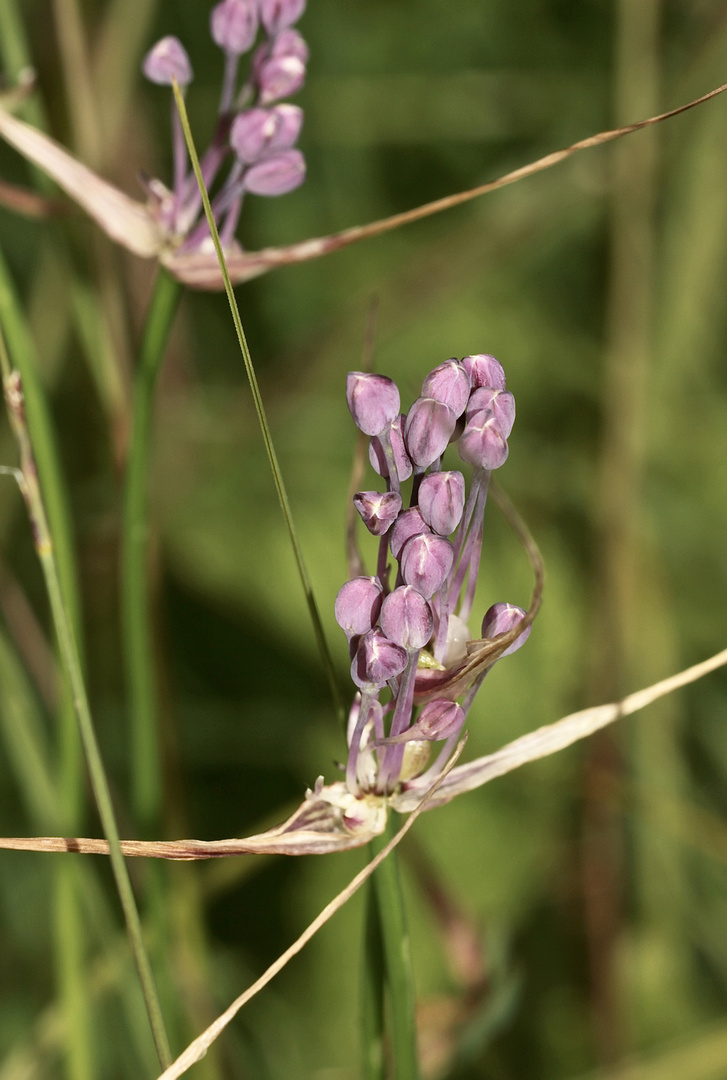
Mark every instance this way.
x=441 y=501
x=425 y=563
x=450 y=384
x=410 y=523
x=358 y=605
x=406 y=618
x=484 y=370
x=378 y=510
x=277 y=15
x=166 y=60
x=276 y=175
x=373 y=401
x=429 y=426
x=233 y=24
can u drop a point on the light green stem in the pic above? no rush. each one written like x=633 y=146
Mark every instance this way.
x=28 y=482
x=394 y=934
x=135 y=603
x=372 y=993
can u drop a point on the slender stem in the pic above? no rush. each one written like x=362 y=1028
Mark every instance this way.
x=372 y=993
x=262 y=420
x=72 y=665
x=136 y=619
x=397 y=960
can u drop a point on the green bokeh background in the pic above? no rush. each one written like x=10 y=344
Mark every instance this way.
x=595 y=882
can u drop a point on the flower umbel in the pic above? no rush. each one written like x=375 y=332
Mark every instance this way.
x=407 y=626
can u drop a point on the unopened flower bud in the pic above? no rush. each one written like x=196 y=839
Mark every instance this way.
x=438 y=720
x=425 y=562
x=501 y=405
x=502 y=617
x=277 y=174
x=484 y=370
x=257 y=132
x=233 y=24
x=441 y=501
x=377 y=660
x=410 y=523
x=482 y=444
x=373 y=401
x=279 y=77
x=450 y=384
x=166 y=60
x=378 y=511
x=429 y=425
x=402 y=461
x=406 y=618
x=276 y=15
x=290 y=43
x=358 y=605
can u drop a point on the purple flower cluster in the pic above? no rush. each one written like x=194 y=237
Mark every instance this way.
x=410 y=634
x=253 y=126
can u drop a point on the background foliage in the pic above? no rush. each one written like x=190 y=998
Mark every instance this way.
x=589 y=890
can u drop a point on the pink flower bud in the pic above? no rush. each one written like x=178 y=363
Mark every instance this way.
x=378 y=511
x=255 y=133
x=410 y=523
x=276 y=15
x=425 y=562
x=377 y=660
x=438 y=720
x=502 y=617
x=482 y=444
x=277 y=174
x=279 y=77
x=450 y=384
x=233 y=24
x=441 y=501
x=358 y=605
x=373 y=401
x=402 y=461
x=484 y=370
x=501 y=405
x=166 y=60
x=290 y=43
x=429 y=426
x=406 y=618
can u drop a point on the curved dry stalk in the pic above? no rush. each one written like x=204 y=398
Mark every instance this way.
x=132 y=224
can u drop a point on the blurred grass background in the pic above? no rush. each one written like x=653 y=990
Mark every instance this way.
x=568 y=920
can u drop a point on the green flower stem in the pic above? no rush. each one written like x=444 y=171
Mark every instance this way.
x=372 y=993
x=262 y=418
x=136 y=616
x=27 y=478
x=396 y=948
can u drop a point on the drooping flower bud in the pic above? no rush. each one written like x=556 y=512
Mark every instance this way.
x=377 y=660
x=502 y=617
x=166 y=60
x=233 y=24
x=482 y=444
x=290 y=43
x=484 y=370
x=501 y=405
x=358 y=605
x=410 y=523
x=425 y=562
x=406 y=618
x=277 y=15
x=402 y=461
x=450 y=384
x=429 y=426
x=378 y=510
x=277 y=174
x=373 y=401
x=438 y=720
x=279 y=77
x=257 y=132
x=441 y=501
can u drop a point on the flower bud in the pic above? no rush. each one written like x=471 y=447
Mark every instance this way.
x=277 y=174
x=441 y=501
x=256 y=132
x=378 y=511
x=402 y=461
x=484 y=370
x=482 y=444
x=277 y=15
x=410 y=523
x=438 y=720
x=406 y=618
x=429 y=425
x=279 y=77
x=450 y=384
x=233 y=24
x=290 y=43
x=358 y=605
x=373 y=401
x=425 y=562
x=166 y=60
x=501 y=405
x=377 y=660
x=502 y=617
